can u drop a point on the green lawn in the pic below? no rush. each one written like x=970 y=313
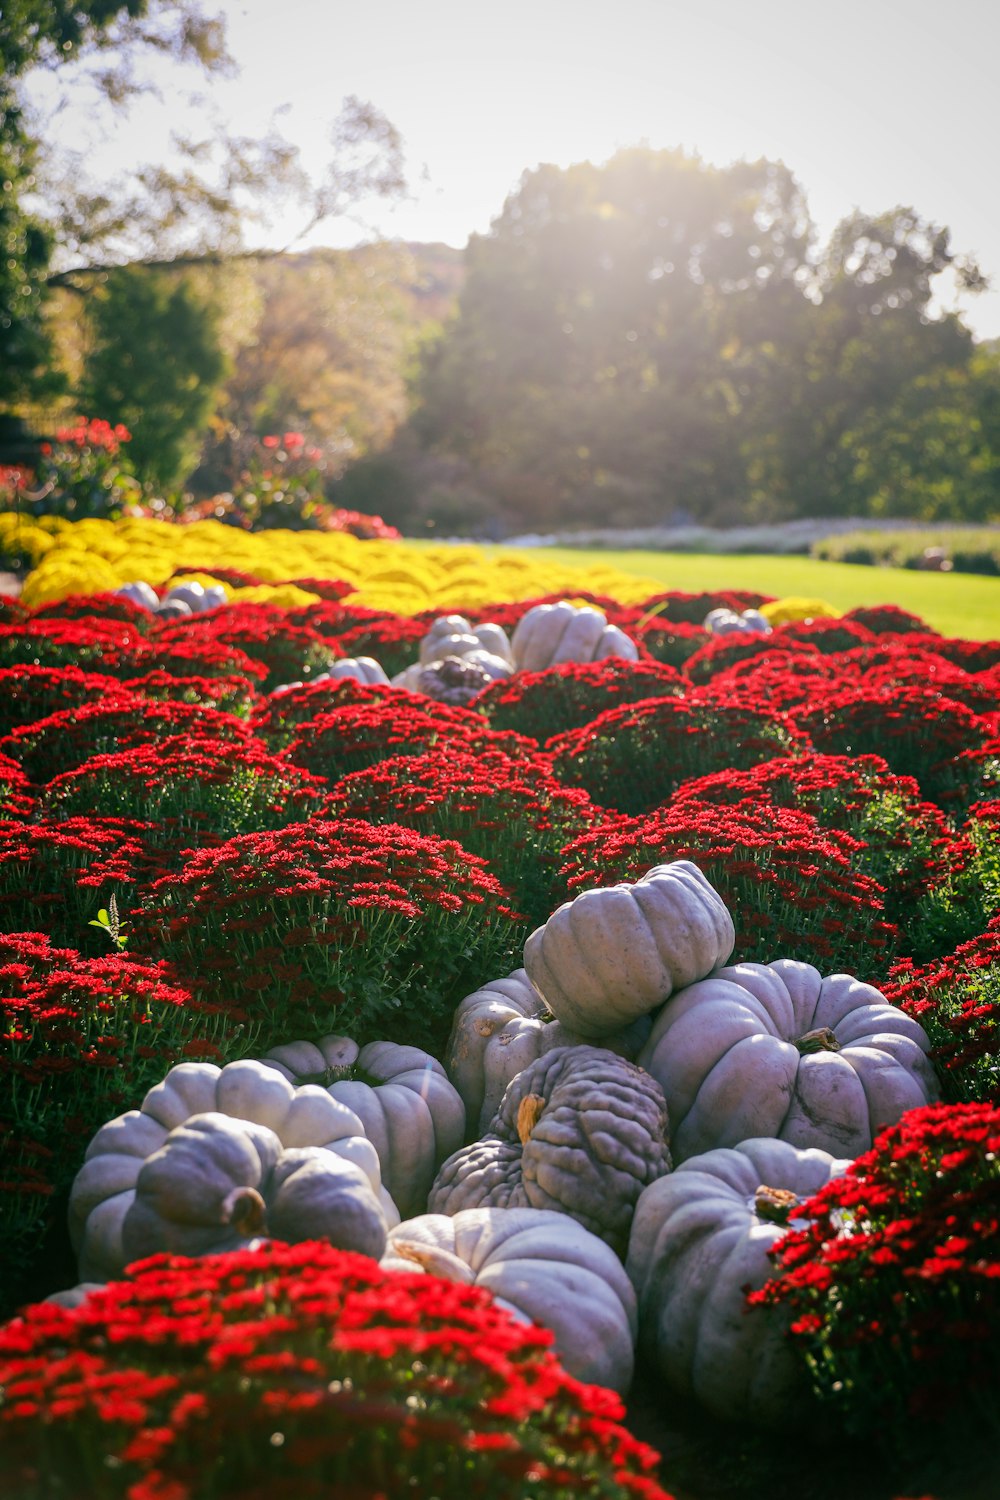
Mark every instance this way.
x=956 y=604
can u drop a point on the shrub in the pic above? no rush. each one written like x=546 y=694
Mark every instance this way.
x=66 y=739
x=361 y=733
x=29 y=693
x=279 y=717
x=543 y=704
x=670 y=642
x=916 y=730
x=957 y=1001
x=904 y=844
x=720 y=652
x=892 y=1282
x=633 y=758
x=393 y=640
x=57 y=874
x=827 y=636
x=97 y=607
x=675 y=605
x=289 y=653
x=81 y=1040
x=888 y=619
x=190 y=788
x=15 y=790
x=333 y=926
x=512 y=813
x=109 y=646
x=302 y=1368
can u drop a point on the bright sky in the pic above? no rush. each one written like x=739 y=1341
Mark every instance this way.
x=871 y=103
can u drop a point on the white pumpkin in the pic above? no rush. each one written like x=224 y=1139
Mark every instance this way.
x=410 y=1111
x=217 y=1183
x=361 y=669
x=104 y=1188
x=139 y=593
x=700 y=1236
x=777 y=1050
x=541 y=1266
x=502 y=1028
x=550 y=634
x=612 y=955
x=452 y=635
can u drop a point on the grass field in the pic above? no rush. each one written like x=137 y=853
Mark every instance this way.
x=955 y=604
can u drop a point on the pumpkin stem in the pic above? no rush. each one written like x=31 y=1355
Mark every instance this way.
x=529 y=1112
x=434 y=1259
x=245 y=1210
x=820 y=1040
x=775 y=1204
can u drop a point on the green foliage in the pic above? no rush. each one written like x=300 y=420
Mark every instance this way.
x=969 y=549
x=156 y=365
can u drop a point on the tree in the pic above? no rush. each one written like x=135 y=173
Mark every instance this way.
x=156 y=365
x=595 y=356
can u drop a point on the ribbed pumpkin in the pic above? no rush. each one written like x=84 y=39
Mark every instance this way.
x=549 y=634
x=217 y=1183
x=542 y=1266
x=500 y=1029
x=777 y=1050
x=410 y=1111
x=580 y=1131
x=699 y=1238
x=104 y=1188
x=612 y=955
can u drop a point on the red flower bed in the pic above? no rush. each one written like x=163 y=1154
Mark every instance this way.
x=57 y=874
x=888 y=619
x=893 y=1284
x=957 y=1001
x=904 y=843
x=92 y=644
x=229 y=692
x=333 y=926
x=81 y=1040
x=361 y=733
x=670 y=642
x=393 y=640
x=781 y=681
x=826 y=636
x=513 y=813
x=542 y=704
x=243 y=1374
x=15 y=790
x=633 y=758
x=721 y=652
x=915 y=729
x=97 y=607
x=289 y=653
x=790 y=885
x=29 y=693
x=192 y=789
x=675 y=604
x=66 y=739
x=279 y=716
x=190 y=658
x=971 y=656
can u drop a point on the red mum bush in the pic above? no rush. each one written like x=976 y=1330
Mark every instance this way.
x=893 y=1282
x=672 y=642
x=189 y=658
x=633 y=758
x=675 y=604
x=971 y=656
x=513 y=813
x=791 y=886
x=915 y=729
x=901 y=667
x=393 y=640
x=957 y=1001
x=229 y=692
x=542 y=704
x=99 y=606
x=92 y=644
x=15 y=790
x=333 y=926
x=888 y=619
x=279 y=716
x=81 y=1040
x=289 y=653
x=362 y=732
x=29 y=693
x=190 y=789
x=58 y=873
x=303 y=1369
x=721 y=652
x=66 y=739
x=905 y=844
x=825 y=635
x=780 y=680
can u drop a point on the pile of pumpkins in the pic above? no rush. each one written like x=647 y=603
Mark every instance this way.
x=620 y=1132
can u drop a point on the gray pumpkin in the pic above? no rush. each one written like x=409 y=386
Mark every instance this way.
x=217 y=1183
x=581 y=1131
